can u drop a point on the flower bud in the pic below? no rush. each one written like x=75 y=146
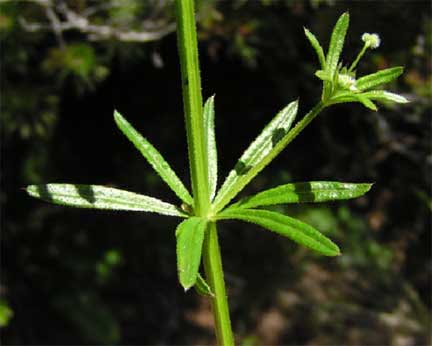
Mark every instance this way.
x=347 y=82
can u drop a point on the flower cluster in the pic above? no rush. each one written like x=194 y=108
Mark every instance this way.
x=341 y=83
x=371 y=40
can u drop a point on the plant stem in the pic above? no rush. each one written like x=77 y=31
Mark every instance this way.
x=198 y=161
x=214 y=275
x=359 y=56
x=192 y=103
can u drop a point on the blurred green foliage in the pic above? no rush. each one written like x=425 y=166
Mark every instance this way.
x=78 y=277
x=5 y=313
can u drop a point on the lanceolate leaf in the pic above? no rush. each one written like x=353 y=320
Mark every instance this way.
x=323 y=76
x=334 y=51
x=190 y=236
x=381 y=77
x=262 y=150
x=365 y=101
x=384 y=96
x=101 y=197
x=366 y=97
x=336 y=43
x=343 y=96
x=202 y=287
x=316 y=45
x=284 y=225
x=210 y=138
x=154 y=158
x=309 y=192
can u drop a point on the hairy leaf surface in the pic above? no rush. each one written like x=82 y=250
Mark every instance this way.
x=385 y=96
x=284 y=225
x=190 y=237
x=336 y=43
x=378 y=78
x=154 y=158
x=316 y=46
x=262 y=150
x=101 y=197
x=210 y=139
x=335 y=48
x=308 y=192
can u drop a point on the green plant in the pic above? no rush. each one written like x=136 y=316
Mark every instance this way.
x=196 y=235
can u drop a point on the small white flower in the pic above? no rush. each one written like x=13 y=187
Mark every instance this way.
x=347 y=82
x=372 y=40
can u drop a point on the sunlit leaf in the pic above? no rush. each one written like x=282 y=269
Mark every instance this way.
x=385 y=96
x=209 y=131
x=284 y=225
x=154 y=158
x=101 y=197
x=316 y=46
x=335 y=48
x=262 y=150
x=336 y=43
x=381 y=77
x=308 y=192
x=190 y=237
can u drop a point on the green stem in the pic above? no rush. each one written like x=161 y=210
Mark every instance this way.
x=192 y=103
x=198 y=161
x=359 y=56
x=214 y=275
x=295 y=131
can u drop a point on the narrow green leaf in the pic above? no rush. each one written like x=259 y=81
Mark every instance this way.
x=154 y=158
x=365 y=101
x=190 y=237
x=343 y=96
x=385 y=96
x=336 y=44
x=378 y=78
x=202 y=287
x=294 y=229
x=323 y=76
x=262 y=150
x=308 y=192
x=101 y=197
x=210 y=139
x=316 y=45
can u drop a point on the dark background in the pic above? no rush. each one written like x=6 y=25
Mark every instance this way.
x=81 y=277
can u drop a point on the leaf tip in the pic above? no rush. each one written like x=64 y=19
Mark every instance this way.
x=369 y=186
x=337 y=252
x=30 y=189
x=187 y=286
x=118 y=118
